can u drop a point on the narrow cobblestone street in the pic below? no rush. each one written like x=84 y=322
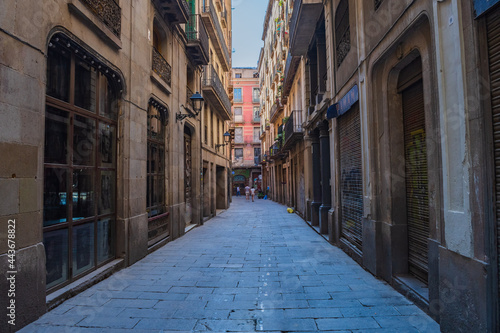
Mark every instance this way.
x=252 y=268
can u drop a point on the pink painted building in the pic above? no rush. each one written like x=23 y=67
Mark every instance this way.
x=246 y=116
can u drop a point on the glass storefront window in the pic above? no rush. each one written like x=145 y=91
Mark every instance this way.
x=56 y=136
x=83 y=141
x=55 y=204
x=80 y=164
x=56 y=252
x=83 y=248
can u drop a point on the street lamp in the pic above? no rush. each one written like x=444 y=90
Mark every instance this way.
x=227 y=138
x=197 y=104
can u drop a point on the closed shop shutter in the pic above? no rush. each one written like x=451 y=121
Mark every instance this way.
x=417 y=197
x=493 y=28
x=351 y=183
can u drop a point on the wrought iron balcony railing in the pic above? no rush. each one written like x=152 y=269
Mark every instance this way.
x=210 y=84
x=215 y=30
x=108 y=12
x=293 y=125
x=162 y=67
x=197 y=38
x=174 y=11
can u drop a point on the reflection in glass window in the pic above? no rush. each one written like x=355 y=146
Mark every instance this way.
x=55 y=205
x=80 y=164
x=83 y=141
x=83 y=248
x=238 y=97
x=56 y=136
x=56 y=252
x=85 y=86
x=105 y=241
x=58 y=71
x=83 y=194
x=238 y=135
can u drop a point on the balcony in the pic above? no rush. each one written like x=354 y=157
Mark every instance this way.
x=303 y=24
x=276 y=110
x=292 y=64
x=276 y=152
x=213 y=91
x=214 y=29
x=293 y=129
x=197 y=40
x=173 y=11
x=223 y=17
x=262 y=133
x=263 y=158
x=109 y=12
x=161 y=67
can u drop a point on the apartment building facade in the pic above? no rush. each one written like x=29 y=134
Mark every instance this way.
x=103 y=137
x=246 y=155
x=398 y=103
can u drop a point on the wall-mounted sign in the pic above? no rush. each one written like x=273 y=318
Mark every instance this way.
x=344 y=104
x=480 y=6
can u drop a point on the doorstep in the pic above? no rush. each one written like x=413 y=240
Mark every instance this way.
x=57 y=297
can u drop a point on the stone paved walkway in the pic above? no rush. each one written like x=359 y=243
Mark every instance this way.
x=253 y=268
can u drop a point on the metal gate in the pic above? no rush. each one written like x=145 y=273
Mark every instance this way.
x=351 y=182
x=417 y=194
x=188 y=178
x=493 y=36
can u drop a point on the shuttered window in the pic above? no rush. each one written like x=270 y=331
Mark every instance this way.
x=351 y=183
x=417 y=198
x=493 y=31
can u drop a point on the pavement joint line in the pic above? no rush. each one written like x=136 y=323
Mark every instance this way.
x=287 y=280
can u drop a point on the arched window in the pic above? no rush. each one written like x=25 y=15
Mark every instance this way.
x=82 y=104
x=342 y=31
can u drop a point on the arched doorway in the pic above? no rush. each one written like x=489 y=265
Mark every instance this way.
x=239 y=181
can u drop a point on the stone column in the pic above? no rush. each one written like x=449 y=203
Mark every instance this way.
x=326 y=192
x=316 y=170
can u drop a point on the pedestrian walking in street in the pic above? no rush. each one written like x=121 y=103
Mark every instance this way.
x=247 y=192
x=252 y=190
x=237 y=191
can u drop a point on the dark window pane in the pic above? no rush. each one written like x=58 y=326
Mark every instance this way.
x=85 y=86
x=56 y=136
x=156 y=127
x=83 y=194
x=83 y=248
x=58 y=71
x=56 y=251
x=55 y=197
x=107 y=145
x=105 y=240
x=108 y=99
x=107 y=197
x=84 y=141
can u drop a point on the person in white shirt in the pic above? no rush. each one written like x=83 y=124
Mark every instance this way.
x=252 y=190
x=247 y=192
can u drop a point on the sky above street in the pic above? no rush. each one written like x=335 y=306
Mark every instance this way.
x=248 y=22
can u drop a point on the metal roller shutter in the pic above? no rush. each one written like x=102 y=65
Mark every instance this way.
x=417 y=195
x=351 y=182
x=493 y=36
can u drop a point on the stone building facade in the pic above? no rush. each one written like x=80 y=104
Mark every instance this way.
x=246 y=153
x=398 y=142
x=101 y=146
